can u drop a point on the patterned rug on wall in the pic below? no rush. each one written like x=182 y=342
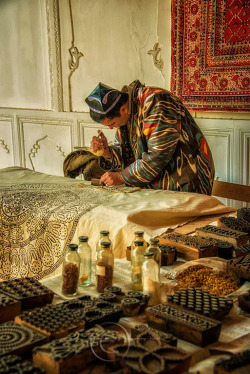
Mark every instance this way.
x=211 y=54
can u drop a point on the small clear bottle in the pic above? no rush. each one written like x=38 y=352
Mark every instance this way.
x=136 y=265
x=151 y=279
x=104 y=267
x=139 y=235
x=155 y=249
x=104 y=237
x=85 y=252
x=70 y=271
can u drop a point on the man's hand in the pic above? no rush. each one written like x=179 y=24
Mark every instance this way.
x=111 y=178
x=100 y=143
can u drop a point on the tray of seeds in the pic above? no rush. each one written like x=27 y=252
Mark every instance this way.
x=51 y=321
x=29 y=291
x=201 y=302
x=208 y=274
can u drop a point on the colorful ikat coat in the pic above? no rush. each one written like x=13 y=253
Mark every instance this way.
x=161 y=147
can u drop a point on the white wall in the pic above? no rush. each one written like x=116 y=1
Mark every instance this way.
x=43 y=85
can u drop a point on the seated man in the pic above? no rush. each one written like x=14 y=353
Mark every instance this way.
x=159 y=145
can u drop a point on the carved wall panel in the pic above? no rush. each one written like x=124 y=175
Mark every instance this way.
x=115 y=44
x=45 y=144
x=6 y=142
x=28 y=54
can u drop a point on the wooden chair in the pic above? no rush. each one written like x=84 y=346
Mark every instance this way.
x=232 y=191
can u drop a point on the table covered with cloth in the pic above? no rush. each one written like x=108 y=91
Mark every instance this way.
x=41 y=214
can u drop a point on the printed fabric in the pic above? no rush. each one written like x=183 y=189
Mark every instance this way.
x=162 y=147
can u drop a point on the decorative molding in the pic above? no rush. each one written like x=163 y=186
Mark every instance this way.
x=53 y=31
x=60 y=150
x=245 y=157
x=4 y=146
x=157 y=59
x=34 y=150
x=75 y=56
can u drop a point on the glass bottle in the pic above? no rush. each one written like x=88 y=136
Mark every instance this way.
x=104 y=267
x=155 y=249
x=139 y=235
x=151 y=279
x=104 y=237
x=85 y=252
x=70 y=271
x=136 y=265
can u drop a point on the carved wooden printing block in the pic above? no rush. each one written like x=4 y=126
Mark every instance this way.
x=164 y=337
x=29 y=291
x=239 y=268
x=16 y=339
x=92 y=311
x=191 y=247
x=243 y=250
x=9 y=308
x=244 y=301
x=237 y=364
x=147 y=354
x=184 y=324
x=51 y=321
x=168 y=254
x=201 y=302
x=236 y=238
x=234 y=224
x=225 y=249
x=73 y=353
x=14 y=364
x=244 y=213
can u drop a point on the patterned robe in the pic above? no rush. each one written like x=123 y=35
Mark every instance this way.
x=161 y=147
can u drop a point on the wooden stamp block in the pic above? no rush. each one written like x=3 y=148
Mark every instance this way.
x=190 y=247
x=18 y=340
x=225 y=249
x=9 y=308
x=201 y=302
x=233 y=223
x=14 y=364
x=92 y=311
x=73 y=353
x=236 y=238
x=29 y=291
x=239 y=268
x=147 y=354
x=243 y=250
x=184 y=324
x=164 y=337
x=168 y=254
x=237 y=364
x=244 y=301
x=51 y=321
x=244 y=213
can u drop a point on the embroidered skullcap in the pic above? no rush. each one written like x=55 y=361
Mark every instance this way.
x=103 y=99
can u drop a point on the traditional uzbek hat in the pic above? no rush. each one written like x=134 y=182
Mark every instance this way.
x=103 y=99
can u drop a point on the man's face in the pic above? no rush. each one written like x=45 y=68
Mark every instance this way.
x=117 y=121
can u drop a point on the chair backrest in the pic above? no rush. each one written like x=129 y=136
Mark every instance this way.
x=232 y=191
